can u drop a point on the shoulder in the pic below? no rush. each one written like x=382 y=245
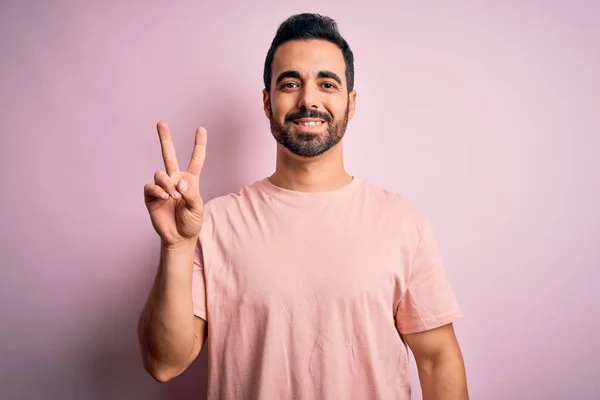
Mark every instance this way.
x=391 y=201
x=222 y=205
x=221 y=213
x=398 y=208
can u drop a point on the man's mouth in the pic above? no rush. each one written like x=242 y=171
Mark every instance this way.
x=308 y=122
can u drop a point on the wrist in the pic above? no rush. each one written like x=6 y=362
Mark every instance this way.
x=186 y=244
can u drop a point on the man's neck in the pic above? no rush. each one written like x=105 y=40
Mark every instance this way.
x=315 y=174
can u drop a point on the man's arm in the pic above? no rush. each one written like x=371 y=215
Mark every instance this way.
x=170 y=335
x=440 y=363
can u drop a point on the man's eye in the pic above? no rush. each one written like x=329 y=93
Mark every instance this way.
x=289 y=85
x=328 y=85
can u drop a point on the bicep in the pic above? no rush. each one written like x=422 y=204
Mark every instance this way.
x=434 y=343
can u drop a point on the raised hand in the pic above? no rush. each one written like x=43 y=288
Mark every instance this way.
x=173 y=200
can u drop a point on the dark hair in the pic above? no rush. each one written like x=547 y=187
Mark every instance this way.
x=309 y=26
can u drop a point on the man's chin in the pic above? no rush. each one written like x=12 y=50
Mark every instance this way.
x=303 y=138
x=302 y=150
x=314 y=149
x=302 y=144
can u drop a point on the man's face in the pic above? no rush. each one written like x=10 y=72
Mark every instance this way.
x=309 y=105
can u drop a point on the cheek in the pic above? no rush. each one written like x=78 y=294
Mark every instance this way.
x=338 y=109
x=281 y=106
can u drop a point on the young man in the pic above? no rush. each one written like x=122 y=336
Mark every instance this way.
x=309 y=284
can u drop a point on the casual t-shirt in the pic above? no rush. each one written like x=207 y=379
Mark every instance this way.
x=307 y=295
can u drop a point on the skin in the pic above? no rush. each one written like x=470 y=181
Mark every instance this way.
x=439 y=363
x=170 y=335
x=310 y=90
x=308 y=83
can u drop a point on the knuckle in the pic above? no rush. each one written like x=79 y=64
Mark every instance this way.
x=162 y=179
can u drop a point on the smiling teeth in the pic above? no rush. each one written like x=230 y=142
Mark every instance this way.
x=312 y=123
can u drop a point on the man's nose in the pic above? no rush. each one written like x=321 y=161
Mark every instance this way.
x=309 y=98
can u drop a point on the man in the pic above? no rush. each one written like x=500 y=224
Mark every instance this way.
x=309 y=284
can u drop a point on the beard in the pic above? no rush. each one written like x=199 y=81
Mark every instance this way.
x=309 y=144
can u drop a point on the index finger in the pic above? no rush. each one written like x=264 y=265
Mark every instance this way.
x=167 y=148
x=199 y=152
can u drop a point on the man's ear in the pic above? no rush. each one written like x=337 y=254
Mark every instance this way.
x=266 y=103
x=351 y=104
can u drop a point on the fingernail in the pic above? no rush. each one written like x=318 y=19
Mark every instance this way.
x=176 y=194
x=183 y=185
x=165 y=196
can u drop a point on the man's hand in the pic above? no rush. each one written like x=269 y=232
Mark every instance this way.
x=173 y=200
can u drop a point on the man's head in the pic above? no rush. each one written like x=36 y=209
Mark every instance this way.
x=309 y=92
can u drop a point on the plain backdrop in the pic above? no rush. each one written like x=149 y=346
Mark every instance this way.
x=483 y=113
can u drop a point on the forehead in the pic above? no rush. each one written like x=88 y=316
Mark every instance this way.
x=308 y=57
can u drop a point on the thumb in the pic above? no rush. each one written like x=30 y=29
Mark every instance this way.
x=190 y=196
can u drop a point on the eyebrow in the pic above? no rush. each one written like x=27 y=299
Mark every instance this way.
x=288 y=74
x=329 y=74
x=320 y=75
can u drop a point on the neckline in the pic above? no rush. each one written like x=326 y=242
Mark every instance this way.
x=298 y=197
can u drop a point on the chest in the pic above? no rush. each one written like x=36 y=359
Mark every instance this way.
x=310 y=264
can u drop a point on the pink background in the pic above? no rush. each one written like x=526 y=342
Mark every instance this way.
x=485 y=114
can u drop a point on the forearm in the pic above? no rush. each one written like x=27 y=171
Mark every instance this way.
x=166 y=327
x=443 y=378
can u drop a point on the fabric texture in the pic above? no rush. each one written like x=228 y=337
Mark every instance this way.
x=307 y=295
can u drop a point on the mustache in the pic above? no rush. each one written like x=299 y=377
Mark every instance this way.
x=304 y=113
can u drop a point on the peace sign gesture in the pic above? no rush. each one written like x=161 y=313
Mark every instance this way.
x=173 y=200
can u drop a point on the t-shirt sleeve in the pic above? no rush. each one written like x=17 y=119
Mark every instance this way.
x=428 y=301
x=199 y=283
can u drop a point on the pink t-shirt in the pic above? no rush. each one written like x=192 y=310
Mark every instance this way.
x=307 y=294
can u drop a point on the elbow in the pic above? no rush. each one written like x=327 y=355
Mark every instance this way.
x=161 y=376
x=160 y=372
